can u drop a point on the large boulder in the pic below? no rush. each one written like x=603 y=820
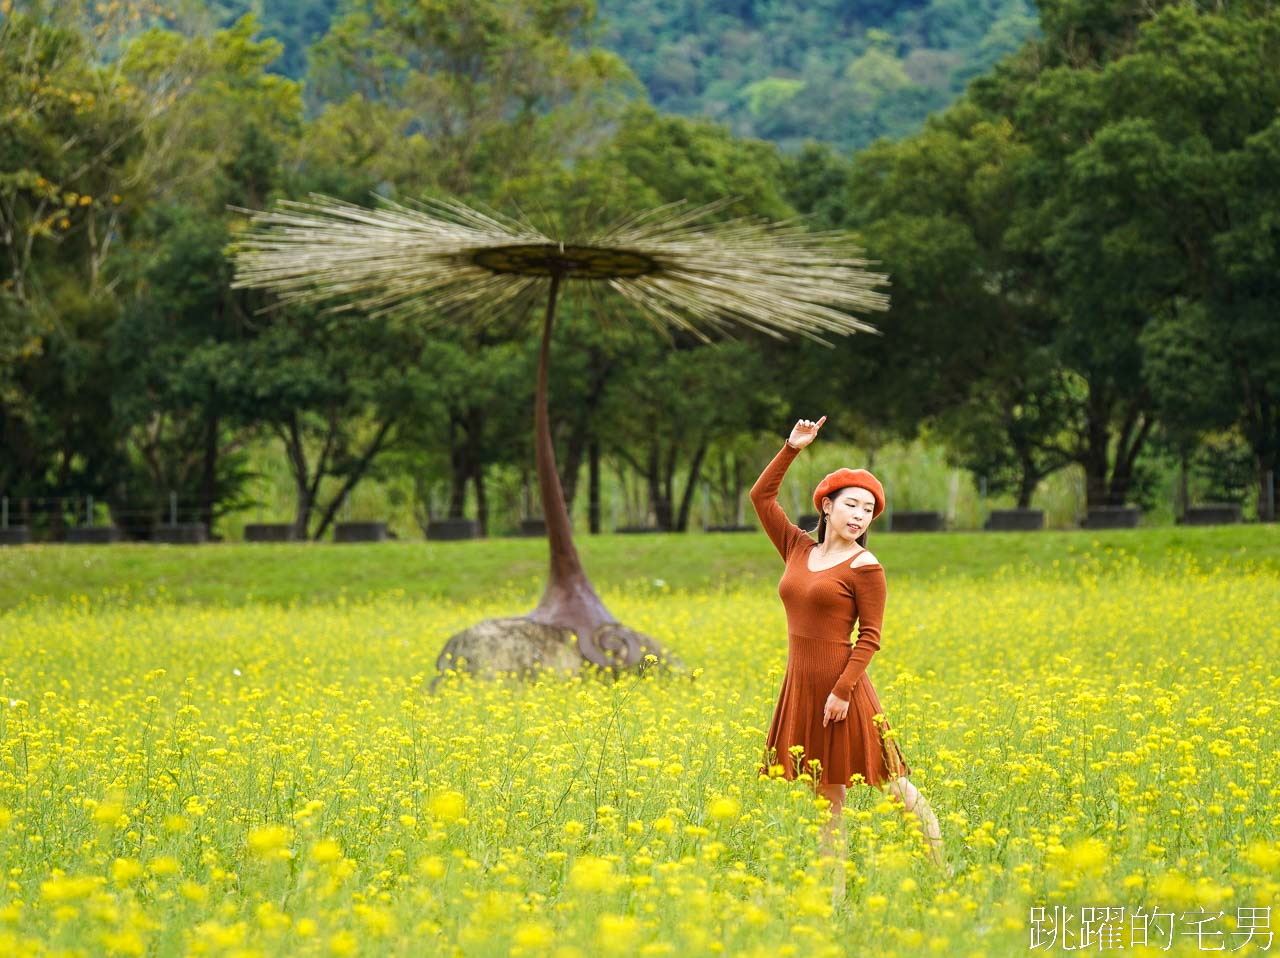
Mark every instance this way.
x=520 y=646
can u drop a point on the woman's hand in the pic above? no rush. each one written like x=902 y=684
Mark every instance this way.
x=804 y=431
x=835 y=710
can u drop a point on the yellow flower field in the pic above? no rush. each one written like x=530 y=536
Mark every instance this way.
x=185 y=780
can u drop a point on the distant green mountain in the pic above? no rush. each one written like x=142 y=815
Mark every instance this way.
x=837 y=71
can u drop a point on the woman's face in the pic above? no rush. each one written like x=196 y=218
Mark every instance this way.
x=848 y=512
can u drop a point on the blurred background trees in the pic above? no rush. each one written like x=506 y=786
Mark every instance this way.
x=1077 y=206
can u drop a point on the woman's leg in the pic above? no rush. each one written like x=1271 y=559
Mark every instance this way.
x=833 y=842
x=833 y=832
x=915 y=803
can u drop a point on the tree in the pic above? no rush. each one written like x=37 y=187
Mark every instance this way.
x=177 y=359
x=216 y=130
x=967 y=344
x=457 y=97
x=1138 y=127
x=69 y=134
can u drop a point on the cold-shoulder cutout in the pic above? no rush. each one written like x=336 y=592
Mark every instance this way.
x=863 y=558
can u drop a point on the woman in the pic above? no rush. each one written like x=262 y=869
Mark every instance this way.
x=827 y=710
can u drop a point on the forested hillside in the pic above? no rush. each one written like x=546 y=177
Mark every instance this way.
x=840 y=71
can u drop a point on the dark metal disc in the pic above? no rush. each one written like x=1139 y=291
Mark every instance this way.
x=545 y=259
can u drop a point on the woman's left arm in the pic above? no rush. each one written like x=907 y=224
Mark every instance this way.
x=869 y=592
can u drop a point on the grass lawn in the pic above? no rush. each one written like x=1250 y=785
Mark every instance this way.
x=235 y=573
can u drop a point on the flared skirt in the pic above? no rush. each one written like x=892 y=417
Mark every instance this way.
x=852 y=751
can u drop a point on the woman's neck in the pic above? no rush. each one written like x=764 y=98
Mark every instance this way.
x=834 y=544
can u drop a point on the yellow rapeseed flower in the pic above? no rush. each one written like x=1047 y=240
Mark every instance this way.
x=723 y=809
x=448 y=806
x=591 y=874
x=325 y=851
x=125 y=870
x=270 y=841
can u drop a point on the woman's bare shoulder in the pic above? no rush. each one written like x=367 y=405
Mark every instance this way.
x=863 y=559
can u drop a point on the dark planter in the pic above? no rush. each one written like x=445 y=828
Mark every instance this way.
x=360 y=532
x=730 y=529
x=448 y=530
x=270 y=532
x=1212 y=514
x=533 y=527
x=1015 y=520
x=634 y=530
x=1113 y=517
x=916 y=522
x=92 y=535
x=184 y=533
x=15 y=536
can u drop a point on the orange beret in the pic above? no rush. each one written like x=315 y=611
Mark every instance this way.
x=842 y=478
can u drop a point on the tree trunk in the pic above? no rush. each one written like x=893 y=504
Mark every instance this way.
x=593 y=487
x=686 y=501
x=574 y=449
x=1094 y=459
x=209 y=479
x=482 y=504
x=1267 y=489
x=1027 y=482
x=1128 y=446
x=460 y=468
x=1184 y=492
x=353 y=477
x=659 y=488
x=294 y=452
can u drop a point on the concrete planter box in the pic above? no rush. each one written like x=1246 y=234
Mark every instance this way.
x=1015 y=520
x=1113 y=517
x=360 y=532
x=637 y=530
x=184 y=533
x=916 y=522
x=1212 y=514
x=93 y=535
x=15 y=536
x=448 y=530
x=730 y=529
x=270 y=532
x=533 y=527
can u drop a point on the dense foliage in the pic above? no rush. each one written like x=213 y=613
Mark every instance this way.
x=839 y=71
x=1082 y=247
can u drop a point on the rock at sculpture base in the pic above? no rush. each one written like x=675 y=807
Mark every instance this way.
x=519 y=646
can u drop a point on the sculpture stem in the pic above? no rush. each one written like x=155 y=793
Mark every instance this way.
x=569 y=601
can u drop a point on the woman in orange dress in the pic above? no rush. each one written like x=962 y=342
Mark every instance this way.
x=827 y=710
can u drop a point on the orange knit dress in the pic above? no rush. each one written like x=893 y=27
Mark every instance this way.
x=821 y=610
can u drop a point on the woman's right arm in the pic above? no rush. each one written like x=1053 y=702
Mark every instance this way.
x=764 y=497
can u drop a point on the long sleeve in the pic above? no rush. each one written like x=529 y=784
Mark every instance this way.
x=869 y=592
x=764 y=497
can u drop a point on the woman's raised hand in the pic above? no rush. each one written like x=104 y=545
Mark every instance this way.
x=804 y=431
